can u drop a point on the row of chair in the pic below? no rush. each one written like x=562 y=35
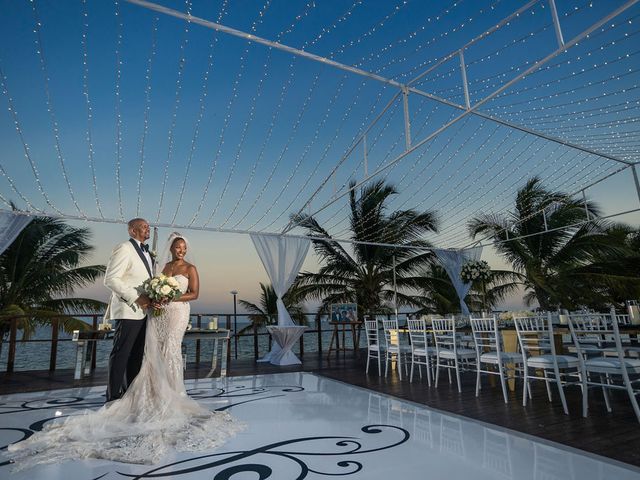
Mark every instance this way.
x=596 y=357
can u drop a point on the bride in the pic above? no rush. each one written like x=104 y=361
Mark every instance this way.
x=155 y=414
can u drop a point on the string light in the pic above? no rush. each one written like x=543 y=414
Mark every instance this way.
x=243 y=136
x=118 y=101
x=448 y=161
x=426 y=26
x=283 y=151
x=324 y=32
x=147 y=109
x=2 y=197
x=16 y=191
x=87 y=97
x=560 y=62
x=559 y=113
x=376 y=28
x=227 y=116
x=26 y=149
x=176 y=106
x=364 y=220
x=274 y=117
x=422 y=65
x=52 y=116
x=306 y=151
x=204 y=93
x=306 y=45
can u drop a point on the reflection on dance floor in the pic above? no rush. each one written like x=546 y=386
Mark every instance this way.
x=301 y=425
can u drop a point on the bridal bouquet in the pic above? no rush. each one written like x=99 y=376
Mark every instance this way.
x=161 y=289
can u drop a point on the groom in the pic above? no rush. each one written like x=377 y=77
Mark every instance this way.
x=129 y=266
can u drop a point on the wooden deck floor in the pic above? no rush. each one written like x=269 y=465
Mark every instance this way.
x=615 y=435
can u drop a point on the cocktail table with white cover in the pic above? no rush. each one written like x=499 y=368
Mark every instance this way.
x=282 y=258
x=285 y=338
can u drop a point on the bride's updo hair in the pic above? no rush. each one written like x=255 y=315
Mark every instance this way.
x=176 y=236
x=166 y=256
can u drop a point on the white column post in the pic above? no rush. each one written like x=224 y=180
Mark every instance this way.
x=465 y=84
x=586 y=205
x=634 y=170
x=366 y=159
x=407 y=121
x=395 y=289
x=556 y=22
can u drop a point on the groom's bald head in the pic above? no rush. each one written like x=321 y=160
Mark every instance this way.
x=139 y=229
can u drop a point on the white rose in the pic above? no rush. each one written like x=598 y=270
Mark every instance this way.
x=165 y=290
x=172 y=281
x=155 y=282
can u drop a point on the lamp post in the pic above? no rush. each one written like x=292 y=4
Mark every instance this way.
x=235 y=321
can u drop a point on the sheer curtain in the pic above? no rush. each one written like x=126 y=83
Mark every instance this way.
x=452 y=261
x=10 y=227
x=282 y=258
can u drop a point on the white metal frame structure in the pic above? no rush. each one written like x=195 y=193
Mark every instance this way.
x=406 y=94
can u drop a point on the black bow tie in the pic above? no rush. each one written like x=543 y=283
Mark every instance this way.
x=144 y=247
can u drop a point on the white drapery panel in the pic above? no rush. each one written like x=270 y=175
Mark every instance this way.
x=452 y=261
x=282 y=258
x=10 y=227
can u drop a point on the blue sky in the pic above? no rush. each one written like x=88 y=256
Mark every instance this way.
x=238 y=136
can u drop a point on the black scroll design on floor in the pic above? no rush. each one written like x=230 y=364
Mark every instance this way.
x=96 y=400
x=72 y=401
x=254 y=393
x=311 y=455
x=203 y=393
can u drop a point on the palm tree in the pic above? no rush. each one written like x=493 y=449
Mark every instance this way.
x=438 y=295
x=610 y=277
x=550 y=258
x=365 y=276
x=266 y=313
x=39 y=272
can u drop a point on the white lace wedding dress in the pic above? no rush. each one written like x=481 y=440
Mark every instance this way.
x=154 y=416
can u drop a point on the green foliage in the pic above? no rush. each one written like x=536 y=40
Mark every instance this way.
x=266 y=313
x=577 y=262
x=365 y=275
x=39 y=272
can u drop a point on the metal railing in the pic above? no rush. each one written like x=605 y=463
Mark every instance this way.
x=13 y=325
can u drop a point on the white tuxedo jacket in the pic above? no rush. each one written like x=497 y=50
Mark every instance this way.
x=125 y=273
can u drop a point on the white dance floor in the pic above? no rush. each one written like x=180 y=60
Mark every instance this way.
x=303 y=426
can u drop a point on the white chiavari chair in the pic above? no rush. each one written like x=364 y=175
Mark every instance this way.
x=421 y=351
x=375 y=349
x=393 y=346
x=590 y=334
x=535 y=337
x=489 y=351
x=448 y=354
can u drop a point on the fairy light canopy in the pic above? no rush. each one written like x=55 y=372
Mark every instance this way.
x=232 y=116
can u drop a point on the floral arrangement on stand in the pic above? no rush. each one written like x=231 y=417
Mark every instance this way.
x=509 y=316
x=477 y=271
x=161 y=289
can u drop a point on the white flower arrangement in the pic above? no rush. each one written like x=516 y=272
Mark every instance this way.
x=475 y=270
x=511 y=315
x=161 y=289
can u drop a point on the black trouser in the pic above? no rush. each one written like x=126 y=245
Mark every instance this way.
x=126 y=356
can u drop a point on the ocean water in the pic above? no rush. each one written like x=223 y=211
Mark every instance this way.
x=35 y=354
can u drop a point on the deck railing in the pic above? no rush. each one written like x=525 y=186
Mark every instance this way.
x=13 y=325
